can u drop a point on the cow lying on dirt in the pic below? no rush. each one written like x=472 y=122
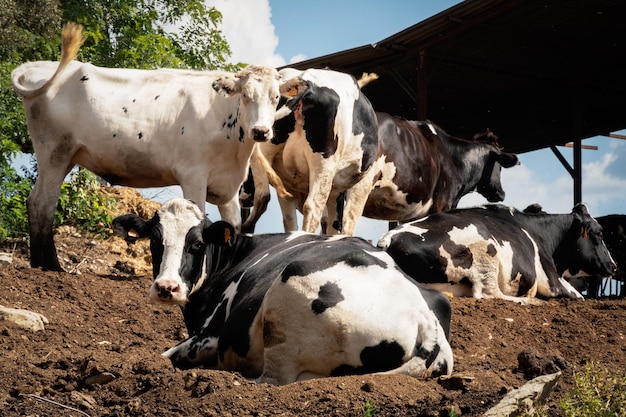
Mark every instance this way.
x=287 y=307
x=496 y=251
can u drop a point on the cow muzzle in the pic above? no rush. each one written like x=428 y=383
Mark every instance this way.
x=261 y=133
x=168 y=291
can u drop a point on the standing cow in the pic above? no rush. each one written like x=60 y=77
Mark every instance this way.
x=498 y=252
x=287 y=307
x=427 y=171
x=141 y=129
x=421 y=170
x=325 y=145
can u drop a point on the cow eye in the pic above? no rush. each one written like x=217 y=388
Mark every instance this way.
x=196 y=246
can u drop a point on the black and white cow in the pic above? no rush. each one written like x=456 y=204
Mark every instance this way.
x=427 y=171
x=498 y=252
x=614 y=226
x=140 y=128
x=286 y=307
x=420 y=170
x=325 y=145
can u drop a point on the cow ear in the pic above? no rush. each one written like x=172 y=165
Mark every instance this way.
x=219 y=233
x=131 y=227
x=226 y=86
x=583 y=218
x=507 y=160
x=292 y=88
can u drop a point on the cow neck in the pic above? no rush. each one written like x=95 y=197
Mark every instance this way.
x=550 y=231
x=223 y=257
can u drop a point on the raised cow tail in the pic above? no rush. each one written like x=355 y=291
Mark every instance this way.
x=71 y=41
x=366 y=78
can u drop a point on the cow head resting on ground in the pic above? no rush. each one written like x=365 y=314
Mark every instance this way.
x=290 y=306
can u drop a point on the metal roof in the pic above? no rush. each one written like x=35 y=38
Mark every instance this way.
x=537 y=73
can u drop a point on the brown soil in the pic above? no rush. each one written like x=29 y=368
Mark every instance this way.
x=100 y=352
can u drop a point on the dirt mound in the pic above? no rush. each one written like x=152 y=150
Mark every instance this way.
x=101 y=351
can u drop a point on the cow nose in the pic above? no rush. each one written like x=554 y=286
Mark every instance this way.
x=260 y=133
x=166 y=290
x=496 y=197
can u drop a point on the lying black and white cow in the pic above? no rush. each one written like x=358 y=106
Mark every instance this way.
x=287 y=307
x=498 y=252
x=140 y=128
x=614 y=226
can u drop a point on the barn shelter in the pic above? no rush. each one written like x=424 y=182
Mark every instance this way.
x=539 y=74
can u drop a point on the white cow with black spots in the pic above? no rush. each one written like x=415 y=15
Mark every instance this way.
x=140 y=128
x=287 y=307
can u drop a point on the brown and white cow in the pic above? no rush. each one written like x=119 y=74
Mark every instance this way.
x=325 y=145
x=140 y=128
x=494 y=251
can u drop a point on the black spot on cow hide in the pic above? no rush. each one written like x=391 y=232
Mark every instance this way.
x=382 y=357
x=125 y=109
x=428 y=355
x=157 y=97
x=491 y=250
x=241 y=134
x=84 y=78
x=140 y=135
x=329 y=296
x=461 y=255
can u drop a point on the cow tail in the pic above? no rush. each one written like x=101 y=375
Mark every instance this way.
x=366 y=78
x=71 y=41
x=272 y=176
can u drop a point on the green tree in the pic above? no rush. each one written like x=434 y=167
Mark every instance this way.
x=140 y=34
x=119 y=33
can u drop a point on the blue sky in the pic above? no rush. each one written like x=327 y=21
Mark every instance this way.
x=278 y=32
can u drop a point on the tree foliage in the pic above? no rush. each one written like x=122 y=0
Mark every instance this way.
x=119 y=33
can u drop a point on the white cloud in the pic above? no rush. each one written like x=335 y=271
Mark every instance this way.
x=247 y=26
x=604 y=193
x=298 y=58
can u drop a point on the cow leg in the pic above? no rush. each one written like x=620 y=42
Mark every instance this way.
x=332 y=217
x=261 y=195
x=319 y=191
x=356 y=197
x=231 y=212
x=289 y=212
x=41 y=205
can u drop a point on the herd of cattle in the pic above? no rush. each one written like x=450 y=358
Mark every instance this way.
x=289 y=306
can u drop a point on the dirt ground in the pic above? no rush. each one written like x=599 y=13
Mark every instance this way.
x=100 y=353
